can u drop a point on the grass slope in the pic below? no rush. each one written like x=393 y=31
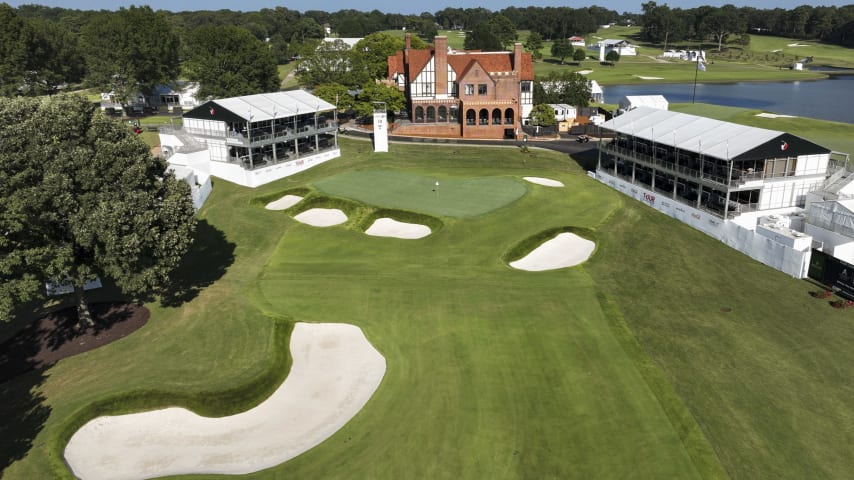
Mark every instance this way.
x=492 y=372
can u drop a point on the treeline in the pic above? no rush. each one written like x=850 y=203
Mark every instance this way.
x=43 y=49
x=664 y=25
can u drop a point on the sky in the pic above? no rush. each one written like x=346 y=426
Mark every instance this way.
x=396 y=6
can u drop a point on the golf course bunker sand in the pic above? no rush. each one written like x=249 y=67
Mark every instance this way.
x=335 y=372
x=284 y=203
x=322 y=217
x=564 y=250
x=389 y=227
x=548 y=182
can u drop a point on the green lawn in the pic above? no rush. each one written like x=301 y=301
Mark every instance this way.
x=453 y=197
x=666 y=355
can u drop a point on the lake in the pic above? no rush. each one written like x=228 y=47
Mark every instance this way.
x=830 y=99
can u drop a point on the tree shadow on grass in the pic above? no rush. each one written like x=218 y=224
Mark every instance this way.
x=24 y=413
x=207 y=261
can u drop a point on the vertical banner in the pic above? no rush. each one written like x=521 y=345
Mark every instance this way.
x=380 y=127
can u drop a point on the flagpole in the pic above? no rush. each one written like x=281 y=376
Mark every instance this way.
x=696 y=70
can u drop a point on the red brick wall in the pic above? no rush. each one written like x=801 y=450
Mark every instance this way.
x=441 y=130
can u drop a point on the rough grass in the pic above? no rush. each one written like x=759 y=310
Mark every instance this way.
x=666 y=355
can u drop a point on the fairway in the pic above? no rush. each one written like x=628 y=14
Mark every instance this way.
x=435 y=195
x=492 y=372
x=646 y=361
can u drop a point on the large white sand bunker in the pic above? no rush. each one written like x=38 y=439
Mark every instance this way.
x=565 y=250
x=389 y=227
x=548 y=182
x=284 y=203
x=322 y=217
x=335 y=371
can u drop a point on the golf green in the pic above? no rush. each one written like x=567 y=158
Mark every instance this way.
x=436 y=195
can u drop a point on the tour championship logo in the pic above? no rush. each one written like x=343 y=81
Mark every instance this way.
x=213 y=112
x=784 y=145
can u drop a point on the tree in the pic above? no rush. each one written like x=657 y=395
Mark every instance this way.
x=543 y=115
x=503 y=29
x=661 y=24
x=330 y=62
x=613 y=56
x=228 y=62
x=13 y=52
x=336 y=94
x=722 y=22
x=483 y=38
x=561 y=48
x=579 y=54
x=129 y=50
x=534 y=44
x=371 y=53
x=83 y=197
x=375 y=92
x=53 y=58
x=570 y=88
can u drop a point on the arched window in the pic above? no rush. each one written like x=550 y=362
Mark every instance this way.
x=443 y=114
x=470 y=117
x=484 y=116
x=455 y=114
x=431 y=114
x=508 y=117
x=496 y=116
x=419 y=115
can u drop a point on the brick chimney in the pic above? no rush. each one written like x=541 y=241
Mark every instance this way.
x=440 y=56
x=407 y=45
x=517 y=57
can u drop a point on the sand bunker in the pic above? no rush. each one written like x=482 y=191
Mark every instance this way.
x=584 y=72
x=774 y=115
x=322 y=217
x=548 y=182
x=649 y=78
x=284 y=203
x=565 y=250
x=388 y=227
x=335 y=371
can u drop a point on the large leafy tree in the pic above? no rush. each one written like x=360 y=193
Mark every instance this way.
x=483 y=38
x=13 y=51
x=570 y=88
x=503 y=28
x=723 y=22
x=376 y=92
x=229 y=61
x=129 y=50
x=371 y=53
x=330 y=62
x=534 y=44
x=543 y=115
x=81 y=196
x=561 y=48
x=53 y=58
x=336 y=94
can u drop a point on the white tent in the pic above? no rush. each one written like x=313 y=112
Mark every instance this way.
x=630 y=102
x=713 y=138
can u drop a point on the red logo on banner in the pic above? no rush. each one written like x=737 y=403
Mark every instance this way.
x=784 y=146
x=212 y=111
